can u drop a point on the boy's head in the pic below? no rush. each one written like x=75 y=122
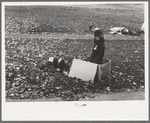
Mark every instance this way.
x=93 y=28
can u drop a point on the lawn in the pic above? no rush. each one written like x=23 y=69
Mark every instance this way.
x=24 y=79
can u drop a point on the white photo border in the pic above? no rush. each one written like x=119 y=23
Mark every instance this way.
x=63 y=111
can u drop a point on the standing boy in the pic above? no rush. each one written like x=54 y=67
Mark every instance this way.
x=99 y=46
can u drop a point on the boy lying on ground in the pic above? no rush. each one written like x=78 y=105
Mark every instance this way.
x=55 y=64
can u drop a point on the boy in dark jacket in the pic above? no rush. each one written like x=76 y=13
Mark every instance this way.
x=99 y=46
x=55 y=64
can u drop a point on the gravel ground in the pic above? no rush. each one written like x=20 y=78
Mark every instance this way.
x=130 y=95
x=66 y=36
x=118 y=96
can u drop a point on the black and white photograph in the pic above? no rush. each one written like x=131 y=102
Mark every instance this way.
x=78 y=54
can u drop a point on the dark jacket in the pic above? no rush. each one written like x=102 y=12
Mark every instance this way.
x=54 y=65
x=98 y=49
x=58 y=63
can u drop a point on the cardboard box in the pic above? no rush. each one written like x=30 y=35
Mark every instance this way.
x=87 y=71
x=104 y=69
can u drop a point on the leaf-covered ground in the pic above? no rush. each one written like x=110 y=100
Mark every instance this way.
x=24 y=54
x=24 y=79
x=72 y=19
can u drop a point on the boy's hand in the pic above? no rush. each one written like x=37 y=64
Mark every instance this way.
x=95 y=47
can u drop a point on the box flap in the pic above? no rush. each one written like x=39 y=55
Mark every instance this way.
x=83 y=70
